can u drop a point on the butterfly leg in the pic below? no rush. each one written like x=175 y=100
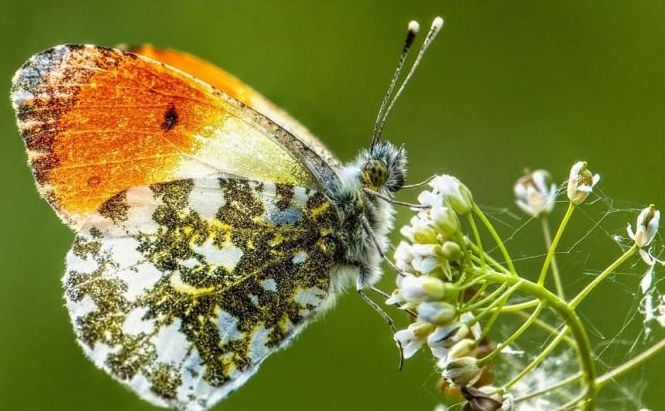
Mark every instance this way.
x=370 y=233
x=360 y=287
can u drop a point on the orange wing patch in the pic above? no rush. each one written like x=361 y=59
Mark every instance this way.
x=96 y=121
x=200 y=69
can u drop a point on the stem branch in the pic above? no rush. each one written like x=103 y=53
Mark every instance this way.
x=555 y=243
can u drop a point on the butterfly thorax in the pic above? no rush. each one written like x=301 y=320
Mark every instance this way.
x=380 y=169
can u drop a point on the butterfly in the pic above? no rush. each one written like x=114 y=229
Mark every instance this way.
x=211 y=227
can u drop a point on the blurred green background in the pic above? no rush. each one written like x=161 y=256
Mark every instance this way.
x=509 y=84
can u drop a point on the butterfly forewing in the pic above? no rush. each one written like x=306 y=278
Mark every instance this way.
x=97 y=121
x=181 y=289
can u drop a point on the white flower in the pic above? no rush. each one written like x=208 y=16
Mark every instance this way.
x=485 y=398
x=403 y=256
x=445 y=220
x=535 y=193
x=413 y=338
x=462 y=348
x=456 y=195
x=426 y=257
x=445 y=337
x=419 y=231
x=421 y=288
x=437 y=313
x=452 y=250
x=476 y=330
x=508 y=402
x=646 y=227
x=462 y=371
x=430 y=199
x=581 y=182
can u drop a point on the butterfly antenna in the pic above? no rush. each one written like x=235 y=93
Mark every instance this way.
x=437 y=23
x=411 y=32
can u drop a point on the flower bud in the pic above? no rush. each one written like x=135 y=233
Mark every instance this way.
x=422 y=288
x=535 y=193
x=462 y=348
x=462 y=371
x=436 y=313
x=445 y=337
x=395 y=297
x=581 y=182
x=419 y=231
x=452 y=251
x=445 y=220
x=646 y=227
x=455 y=194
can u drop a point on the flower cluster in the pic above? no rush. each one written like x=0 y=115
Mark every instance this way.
x=431 y=262
x=451 y=287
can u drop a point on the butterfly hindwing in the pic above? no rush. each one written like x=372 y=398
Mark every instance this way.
x=97 y=121
x=181 y=289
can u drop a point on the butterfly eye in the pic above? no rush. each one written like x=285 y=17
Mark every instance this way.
x=375 y=174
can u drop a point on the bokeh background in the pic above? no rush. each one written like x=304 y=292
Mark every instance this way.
x=508 y=85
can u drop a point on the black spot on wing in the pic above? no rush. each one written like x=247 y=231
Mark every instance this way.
x=170 y=118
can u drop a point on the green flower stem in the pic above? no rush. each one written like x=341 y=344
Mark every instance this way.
x=555 y=243
x=496 y=237
x=476 y=235
x=573 y=323
x=497 y=303
x=552 y=387
x=479 y=293
x=525 y=326
x=495 y=315
x=463 y=241
x=520 y=306
x=491 y=297
x=536 y=361
x=545 y=326
x=494 y=265
x=602 y=276
x=555 y=266
x=630 y=364
x=573 y=404
x=461 y=285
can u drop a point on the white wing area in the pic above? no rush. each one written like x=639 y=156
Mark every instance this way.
x=181 y=290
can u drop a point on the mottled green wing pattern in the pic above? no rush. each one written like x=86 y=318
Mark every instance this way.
x=180 y=290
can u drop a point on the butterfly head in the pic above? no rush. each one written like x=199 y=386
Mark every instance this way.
x=383 y=167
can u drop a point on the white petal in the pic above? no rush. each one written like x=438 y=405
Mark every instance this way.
x=647 y=280
x=425 y=265
x=411 y=348
x=647 y=258
x=631 y=234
